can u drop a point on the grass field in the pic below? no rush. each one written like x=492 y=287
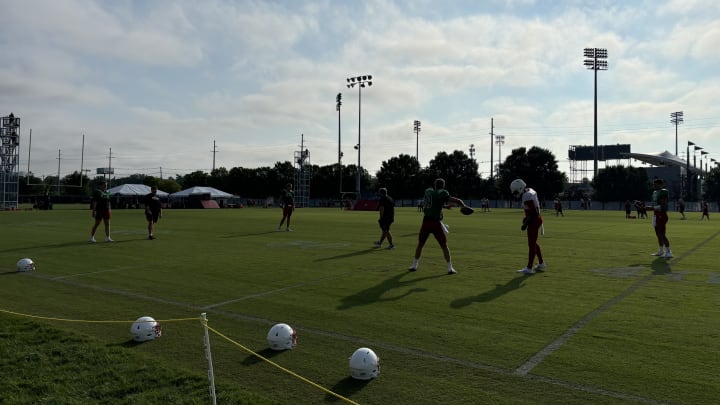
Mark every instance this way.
x=606 y=323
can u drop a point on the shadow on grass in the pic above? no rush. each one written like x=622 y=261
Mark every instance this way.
x=346 y=387
x=660 y=266
x=498 y=291
x=375 y=294
x=266 y=353
x=346 y=255
x=10 y=272
x=128 y=344
x=35 y=247
x=242 y=235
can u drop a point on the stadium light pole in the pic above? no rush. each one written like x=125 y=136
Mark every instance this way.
x=687 y=168
x=499 y=141
x=360 y=82
x=416 y=128
x=338 y=103
x=596 y=62
x=677 y=119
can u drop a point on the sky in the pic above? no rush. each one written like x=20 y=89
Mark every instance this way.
x=166 y=88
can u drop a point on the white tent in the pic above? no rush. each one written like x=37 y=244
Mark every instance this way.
x=133 y=190
x=200 y=191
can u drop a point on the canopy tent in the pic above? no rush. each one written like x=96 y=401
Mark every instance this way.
x=133 y=190
x=663 y=159
x=201 y=191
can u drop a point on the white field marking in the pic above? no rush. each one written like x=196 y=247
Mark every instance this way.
x=277 y=290
x=557 y=343
x=360 y=341
x=93 y=272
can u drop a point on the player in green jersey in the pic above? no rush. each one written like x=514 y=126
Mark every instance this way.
x=436 y=198
x=660 y=198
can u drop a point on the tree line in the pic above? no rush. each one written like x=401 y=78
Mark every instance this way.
x=402 y=175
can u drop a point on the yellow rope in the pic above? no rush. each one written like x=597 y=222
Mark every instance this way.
x=87 y=321
x=282 y=368
x=209 y=328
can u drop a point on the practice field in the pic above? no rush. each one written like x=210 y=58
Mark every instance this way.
x=606 y=323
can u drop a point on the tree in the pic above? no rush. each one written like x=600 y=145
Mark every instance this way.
x=619 y=183
x=75 y=184
x=537 y=167
x=197 y=178
x=401 y=175
x=712 y=185
x=459 y=171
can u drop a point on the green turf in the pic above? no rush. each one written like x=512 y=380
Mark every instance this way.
x=607 y=323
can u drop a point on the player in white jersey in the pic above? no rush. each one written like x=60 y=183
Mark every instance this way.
x=532 y=222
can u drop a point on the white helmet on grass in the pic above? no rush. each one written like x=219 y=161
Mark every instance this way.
x=145 y=328
x=364 y=364
x=25 y=264
x=282 y=337
x=517 y=186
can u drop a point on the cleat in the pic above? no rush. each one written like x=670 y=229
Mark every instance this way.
x=109 y=239
x=540 y=267
x=526 y=270
x=412 y=269
x=288 y=229
x=658 y=253
x=377 y=244
x=92 y=239
x=668 y=255
x=391 y=247
x=150 y=237
x=451 y=271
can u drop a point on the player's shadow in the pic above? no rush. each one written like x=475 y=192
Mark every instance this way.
x=377 y=293
x=242 y=235
x=346 y=255
x=497 y=292
x=660 y=266
x=266 y=353
x=35 y=247
x=346 y=387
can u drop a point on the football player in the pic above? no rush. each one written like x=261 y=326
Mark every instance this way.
x=532 y=222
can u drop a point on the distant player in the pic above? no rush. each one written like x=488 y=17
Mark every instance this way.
x=435 y=199
x=153 y=211
x=681 y=208
x=386 y=206
x=532 y=222
x=558 y=208
x=660 y=198
x=100 y=205
x=288 y=206
x=485 y=204
x=705 y=211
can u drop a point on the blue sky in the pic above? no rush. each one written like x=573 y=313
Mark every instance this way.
x=159 y=81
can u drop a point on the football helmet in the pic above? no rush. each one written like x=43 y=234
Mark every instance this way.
x=282 y=337
x=25 y=264
x=364 y=364
x=145 y=328
x=517 y=186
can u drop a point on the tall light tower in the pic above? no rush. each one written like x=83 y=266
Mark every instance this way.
x=596 y=62
x=499 y=141
x=416 y=128
x=338 y=103
x=677 y=119
x=360 y=82
x=472 y=151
